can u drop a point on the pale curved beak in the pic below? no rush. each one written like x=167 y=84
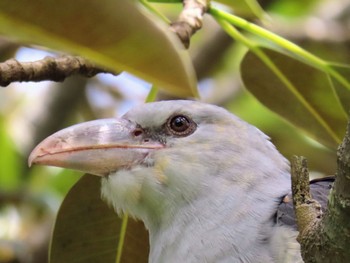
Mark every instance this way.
x=98 y=147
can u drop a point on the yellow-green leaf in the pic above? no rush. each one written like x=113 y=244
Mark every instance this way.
x=304 y=96
x=119 y=35
x=87 y=230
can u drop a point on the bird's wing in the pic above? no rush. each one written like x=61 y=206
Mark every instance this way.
x=319 y=191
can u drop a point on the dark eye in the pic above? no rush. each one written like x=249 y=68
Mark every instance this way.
x=181 y=125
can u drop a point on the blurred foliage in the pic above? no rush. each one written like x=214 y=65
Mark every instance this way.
x=31 y=197
x=293 y=8
x=307 y=99
x=113 y=51
x=10 y=167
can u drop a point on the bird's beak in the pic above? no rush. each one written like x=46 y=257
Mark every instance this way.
x=97 y=147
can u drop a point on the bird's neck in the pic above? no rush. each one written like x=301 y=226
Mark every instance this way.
x=227 y=227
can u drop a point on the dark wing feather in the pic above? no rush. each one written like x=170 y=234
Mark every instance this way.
x=319 y=190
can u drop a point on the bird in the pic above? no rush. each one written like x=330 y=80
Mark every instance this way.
x=208 y=186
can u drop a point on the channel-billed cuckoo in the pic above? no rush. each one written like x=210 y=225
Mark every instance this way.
x=207 y=185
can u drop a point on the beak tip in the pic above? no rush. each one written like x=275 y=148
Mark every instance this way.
x=31 y=159
x=33 y=156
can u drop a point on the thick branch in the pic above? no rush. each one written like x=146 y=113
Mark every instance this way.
x=49 y=68
x=337 y=219
x=327 y=240
x=190 y=19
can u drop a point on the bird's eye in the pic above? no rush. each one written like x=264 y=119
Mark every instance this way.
x=181 y=125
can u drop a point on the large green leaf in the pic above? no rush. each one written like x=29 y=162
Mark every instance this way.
x=342 y=92
x=87 y=230
x=304 y=96
x=117 y=34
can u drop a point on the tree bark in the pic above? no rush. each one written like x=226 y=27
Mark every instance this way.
x=327 y=240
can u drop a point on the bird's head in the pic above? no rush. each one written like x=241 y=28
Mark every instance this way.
x=165 y=155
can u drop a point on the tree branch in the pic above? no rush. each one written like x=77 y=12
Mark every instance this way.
x=190 y=19
x=307 y=210
x=324 y=239
x=49 y=68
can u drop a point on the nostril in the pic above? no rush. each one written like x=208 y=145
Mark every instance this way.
x=137 y=132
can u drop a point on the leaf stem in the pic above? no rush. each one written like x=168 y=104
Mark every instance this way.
x=304 y=55
x=153 y=10
x=152 y=94
x=122 y=237
x=264 y=33
x=257 y=9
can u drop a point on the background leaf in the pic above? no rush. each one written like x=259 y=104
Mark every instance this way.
x=115 y=34
x=10 y=171
x=326 y=120
x=87 y=230
x=342 y=92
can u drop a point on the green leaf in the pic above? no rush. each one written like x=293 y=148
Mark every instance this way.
x=342 y=92
x=119 y=35
x=10 y=168
x=87 y=230
x=300 y=93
